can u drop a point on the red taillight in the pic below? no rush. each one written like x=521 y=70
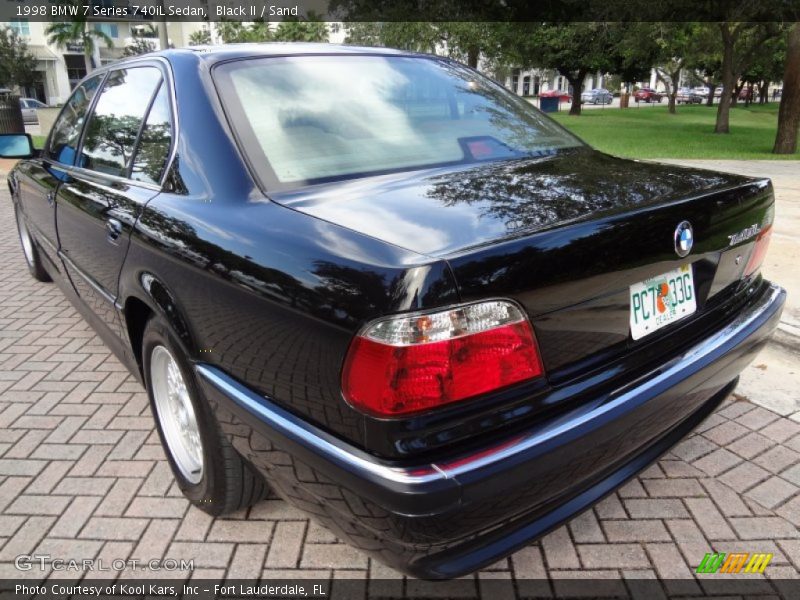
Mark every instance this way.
x=759 y=251
x=414 y=363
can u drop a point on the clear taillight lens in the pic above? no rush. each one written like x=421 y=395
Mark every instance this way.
x=412 y=363
x=759 y=251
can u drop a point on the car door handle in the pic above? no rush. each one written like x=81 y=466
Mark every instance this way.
x=51 y=198
x=114 y=229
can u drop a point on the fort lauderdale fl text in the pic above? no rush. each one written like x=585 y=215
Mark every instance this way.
x=147 y=589
x=253 y=10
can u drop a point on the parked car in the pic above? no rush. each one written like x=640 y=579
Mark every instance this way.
x=647 y=95
x=701 y=91
x=562 y=96
x=688 y=96
x=381 y=301
x=597 y=96
x=29 y=107
x=745 y=93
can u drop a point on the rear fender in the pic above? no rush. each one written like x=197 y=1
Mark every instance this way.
x=153 y=292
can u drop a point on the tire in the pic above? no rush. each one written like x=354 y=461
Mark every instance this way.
x=215 y=477
x=29 y=249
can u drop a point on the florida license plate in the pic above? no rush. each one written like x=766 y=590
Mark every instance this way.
x=661 y=300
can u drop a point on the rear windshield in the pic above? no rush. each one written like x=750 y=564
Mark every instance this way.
x=309 y=119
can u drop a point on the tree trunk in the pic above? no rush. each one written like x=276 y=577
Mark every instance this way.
x=789 y=110
x=473 y=54
x=87 y=51
x=737 y=89
x=577 y=90
x=712 y=87
x=723 y=110
x=763 y=92
x=672 y=91
x=670 y=80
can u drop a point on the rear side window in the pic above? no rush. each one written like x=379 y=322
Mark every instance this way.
x=118 y=116
x=155 y=141
x=66 y=131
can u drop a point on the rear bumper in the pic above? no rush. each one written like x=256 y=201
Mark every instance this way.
x=443 y=519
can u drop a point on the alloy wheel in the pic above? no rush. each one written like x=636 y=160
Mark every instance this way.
x=176 y=415
x=25 y=238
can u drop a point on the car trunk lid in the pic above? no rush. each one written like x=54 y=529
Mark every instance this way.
x=565 y=235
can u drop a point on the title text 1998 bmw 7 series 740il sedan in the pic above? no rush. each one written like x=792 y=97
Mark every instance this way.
x=390 y=289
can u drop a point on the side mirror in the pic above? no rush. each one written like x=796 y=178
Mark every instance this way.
x=16 y=145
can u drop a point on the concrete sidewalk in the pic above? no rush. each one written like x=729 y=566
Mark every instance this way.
x=82 y=476
x=775 y=382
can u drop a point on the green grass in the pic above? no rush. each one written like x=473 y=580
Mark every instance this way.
x=651 y=132
x=38 y=141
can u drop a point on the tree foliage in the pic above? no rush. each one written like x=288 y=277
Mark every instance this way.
x=202 y=37
x=17 y=64
x=573 y=49
x=232 y=32
x=138 y=46
x=77 y=31
x=677 y=44
x=741 y=43
x=467 y=42
x=298 y=29
x=767 y=65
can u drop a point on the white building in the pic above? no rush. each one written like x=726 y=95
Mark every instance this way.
x=532 y=82
x=60 y=68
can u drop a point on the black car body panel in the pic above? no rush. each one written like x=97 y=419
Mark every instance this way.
x=444 y=519
x=266 y=290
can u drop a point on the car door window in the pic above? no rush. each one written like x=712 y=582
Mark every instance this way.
x=155 y=141
x=66 y=132
x=117 y=118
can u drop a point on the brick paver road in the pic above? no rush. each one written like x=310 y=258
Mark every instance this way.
x=82 y=475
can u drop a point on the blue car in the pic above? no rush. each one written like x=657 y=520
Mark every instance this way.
x=597 y=96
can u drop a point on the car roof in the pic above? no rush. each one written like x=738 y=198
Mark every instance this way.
x=265 y=49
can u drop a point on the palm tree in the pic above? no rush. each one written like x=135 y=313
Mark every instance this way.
x=77 y=31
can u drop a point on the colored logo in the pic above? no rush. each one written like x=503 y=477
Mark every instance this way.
x=684 y=238
x=736 y=562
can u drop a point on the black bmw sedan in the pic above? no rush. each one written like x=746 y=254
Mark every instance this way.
x=392 y=291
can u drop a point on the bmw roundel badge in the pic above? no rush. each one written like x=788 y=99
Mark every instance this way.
x=684 y=238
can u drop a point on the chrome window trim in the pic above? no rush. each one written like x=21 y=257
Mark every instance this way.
x=96 y=175
x=169 y=79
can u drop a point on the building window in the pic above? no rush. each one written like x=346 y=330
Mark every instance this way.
x=76 y=68
x=110 y=29
x=21 y=26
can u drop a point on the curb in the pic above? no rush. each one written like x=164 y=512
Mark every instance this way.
x=788 y=336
